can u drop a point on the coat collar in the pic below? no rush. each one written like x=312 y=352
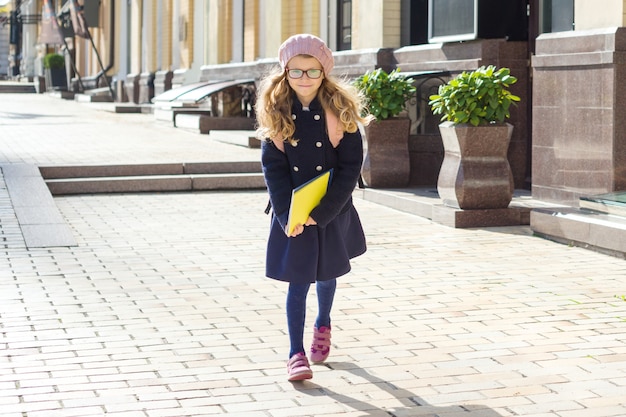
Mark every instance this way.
x=333 y=127
x=297 y=106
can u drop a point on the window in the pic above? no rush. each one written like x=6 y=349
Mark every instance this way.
x=344 y=25
x=452 y=20
x=556 y=15
x=460 y=20
x=414 y=22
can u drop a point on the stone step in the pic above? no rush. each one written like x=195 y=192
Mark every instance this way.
x=126 y=170
x=17 y=88
x=41 y=223
x=88 y=179
x=425 y=202
x=156 y=183
x=145 y=108
x=581 y=227
x=65 y=95
x=611 y=203
x=203 y=123
x=87 y=98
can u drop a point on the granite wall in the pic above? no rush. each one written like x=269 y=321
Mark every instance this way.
x=579 y=128
x=443 y=60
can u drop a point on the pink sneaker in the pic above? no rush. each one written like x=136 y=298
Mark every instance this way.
x=320 y=348
x=298 y=368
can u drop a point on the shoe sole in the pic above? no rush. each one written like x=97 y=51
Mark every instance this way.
x=300 y=377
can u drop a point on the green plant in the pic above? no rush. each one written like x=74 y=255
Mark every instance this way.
x=53 y=60
x=386 y=93
x=477 y=97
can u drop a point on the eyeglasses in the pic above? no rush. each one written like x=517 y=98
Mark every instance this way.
x=298 y=73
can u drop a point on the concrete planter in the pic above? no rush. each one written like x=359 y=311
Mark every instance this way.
x=475 y=173
x=387 y=163
x=40 y=84
x=56 y=79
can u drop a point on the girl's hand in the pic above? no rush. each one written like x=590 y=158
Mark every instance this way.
x=300 y=228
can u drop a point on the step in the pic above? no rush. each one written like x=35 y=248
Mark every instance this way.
x=189 y=176
x=17 y=88
x=610 y=203
x=581 y=227
x=133 y=108
x=127 y=170
x=167 y=112
x=40 y=221
x=89 y=98
x=425 y=202
x=203 y=123
x=65 y=95
x=156 y=183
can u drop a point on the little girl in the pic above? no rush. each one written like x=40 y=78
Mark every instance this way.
x=308 y=122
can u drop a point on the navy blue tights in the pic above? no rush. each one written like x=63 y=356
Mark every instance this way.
x=296 y=310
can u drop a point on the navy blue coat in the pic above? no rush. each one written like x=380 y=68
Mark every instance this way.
x=321 y=252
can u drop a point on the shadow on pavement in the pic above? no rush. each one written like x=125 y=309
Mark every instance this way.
x=29 y=116
x=412 y=404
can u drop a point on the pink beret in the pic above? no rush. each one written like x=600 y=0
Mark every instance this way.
x=305 y=44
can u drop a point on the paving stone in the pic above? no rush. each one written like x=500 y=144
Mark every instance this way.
x=161 y=308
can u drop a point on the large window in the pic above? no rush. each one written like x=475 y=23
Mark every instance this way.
x=344 y=25
x=556 y=15
x=452 y=20
x=437 y=21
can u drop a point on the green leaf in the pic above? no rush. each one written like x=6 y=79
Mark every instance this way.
x=476 y=97
x=388 y=93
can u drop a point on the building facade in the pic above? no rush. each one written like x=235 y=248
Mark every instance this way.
x=567 y=54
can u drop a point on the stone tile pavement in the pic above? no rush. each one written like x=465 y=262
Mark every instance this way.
x=162 y=308
x=43 y=130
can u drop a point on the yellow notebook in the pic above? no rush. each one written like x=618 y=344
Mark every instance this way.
x=305 y=198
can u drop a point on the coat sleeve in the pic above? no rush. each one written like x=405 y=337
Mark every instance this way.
x=345 y=177
x=277 y=179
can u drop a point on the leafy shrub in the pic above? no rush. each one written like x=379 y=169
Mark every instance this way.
x=386 y=93
x=478 y=97
x=53 y=60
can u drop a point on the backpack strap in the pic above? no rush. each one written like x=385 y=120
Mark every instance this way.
x=334 y=128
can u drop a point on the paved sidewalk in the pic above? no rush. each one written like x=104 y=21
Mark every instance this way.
x=162 y=308
x=42 y=130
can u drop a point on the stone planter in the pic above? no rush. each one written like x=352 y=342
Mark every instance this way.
x=40 y=84
x=386 y=163
x=56 y=79
x=475 y=173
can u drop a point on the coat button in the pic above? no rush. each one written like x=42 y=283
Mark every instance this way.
x=318 y=168
x=293 y=117
x=296 y=169
x=318 y=144
x=294 y=143
x=317 y=117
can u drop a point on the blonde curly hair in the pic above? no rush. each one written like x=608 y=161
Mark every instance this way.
x=275 y=98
